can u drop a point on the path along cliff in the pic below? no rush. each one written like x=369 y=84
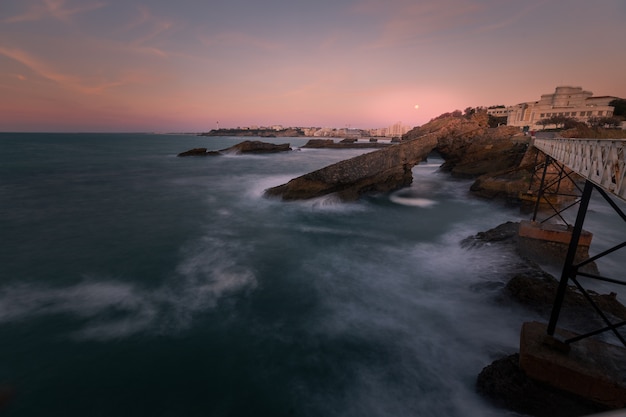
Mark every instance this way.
x=471 y=149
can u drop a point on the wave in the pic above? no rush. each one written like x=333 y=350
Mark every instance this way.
x=110 y=308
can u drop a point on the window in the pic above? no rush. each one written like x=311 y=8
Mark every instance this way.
x=600 y=112
x=567 y=114
x=542 y=115
x=573 y=113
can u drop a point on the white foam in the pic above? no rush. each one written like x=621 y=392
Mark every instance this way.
x=412 y=201
x=114 y=309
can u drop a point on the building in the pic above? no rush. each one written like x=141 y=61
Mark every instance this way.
x=566 y=101
x=499 y=111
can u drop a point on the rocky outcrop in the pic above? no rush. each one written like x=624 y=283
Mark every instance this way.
x=343 y=144
x=255 y=146
x=503 y=382
x=379 y=171
x=507 y=386
x=498 y=158
x=537 y=291
x=470 y=147
x=198 y=152
x=243 y=147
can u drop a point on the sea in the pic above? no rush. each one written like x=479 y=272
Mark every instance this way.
x=137 y=283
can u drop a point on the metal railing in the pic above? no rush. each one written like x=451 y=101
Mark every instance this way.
x=602 y=164
x=601 y=161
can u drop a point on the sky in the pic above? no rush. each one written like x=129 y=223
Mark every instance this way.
x=187 y=65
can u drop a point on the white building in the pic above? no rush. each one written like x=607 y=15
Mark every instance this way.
x=566 y=101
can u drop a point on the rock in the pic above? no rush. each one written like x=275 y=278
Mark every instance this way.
x=255 y=146
x=538 y=291
x=505 y=232
x=497 y=157
x=379 y=171
x=468 y=145
x=243 y=147
x=507 y=386
x=319 y=143
x=198 y=152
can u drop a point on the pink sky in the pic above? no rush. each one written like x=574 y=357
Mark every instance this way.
x=129 y=65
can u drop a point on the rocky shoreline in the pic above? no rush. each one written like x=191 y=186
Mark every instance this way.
x=499 y=159
x=503 y=382
x=501 y=162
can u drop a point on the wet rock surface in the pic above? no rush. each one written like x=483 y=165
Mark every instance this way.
x=379 y=171
x=503 y=382
x=198 y=152
x=343 y=144
x=469 y=146
x=248 y=146
x=506 y=385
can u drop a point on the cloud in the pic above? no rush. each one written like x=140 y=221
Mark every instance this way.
x=151 y=28
x=64 y=80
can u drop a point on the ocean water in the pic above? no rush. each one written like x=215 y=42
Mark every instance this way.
x=136 y=283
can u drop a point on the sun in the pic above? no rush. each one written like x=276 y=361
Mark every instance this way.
x=417 y=106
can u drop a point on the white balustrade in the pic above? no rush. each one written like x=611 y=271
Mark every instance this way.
x=601 y=161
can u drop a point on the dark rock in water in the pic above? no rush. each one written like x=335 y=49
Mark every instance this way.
x=255 y=146
x=538 y=292
x=319 y=143
x=198 y=152
x=248 y=146
x=506 y=232
x=507 y=386
x=503 y=382
x=536 y=250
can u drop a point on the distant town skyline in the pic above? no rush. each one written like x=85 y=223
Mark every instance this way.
x=112 y=65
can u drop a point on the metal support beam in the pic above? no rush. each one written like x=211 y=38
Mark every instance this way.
x=569 y=268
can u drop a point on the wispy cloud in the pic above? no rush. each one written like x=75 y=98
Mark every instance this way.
x=57 y=9
x=149 y=28
x=46 y=71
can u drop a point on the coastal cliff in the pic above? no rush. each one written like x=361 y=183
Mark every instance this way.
x=469 y=146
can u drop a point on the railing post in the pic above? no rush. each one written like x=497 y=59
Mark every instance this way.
x=568 y=268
